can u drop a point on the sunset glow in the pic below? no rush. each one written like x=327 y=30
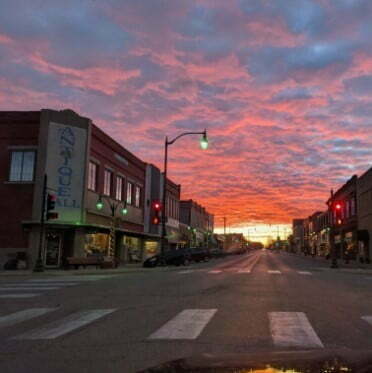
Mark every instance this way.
x=282 y=87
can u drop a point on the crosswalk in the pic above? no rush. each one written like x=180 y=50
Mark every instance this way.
x=240 y=271
x=36 y=287
x=287 y=329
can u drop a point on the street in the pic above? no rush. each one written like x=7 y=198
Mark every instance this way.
x=124 y=323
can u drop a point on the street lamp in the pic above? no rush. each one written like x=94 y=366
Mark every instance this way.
x=204 y=146
x=113 y=207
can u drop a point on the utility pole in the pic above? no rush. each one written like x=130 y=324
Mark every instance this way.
x=39 y=267
x=224 y=225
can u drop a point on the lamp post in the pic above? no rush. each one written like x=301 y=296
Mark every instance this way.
x=113 y=207
x=204 y=146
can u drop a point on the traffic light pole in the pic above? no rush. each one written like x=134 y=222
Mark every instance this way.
x=163 y=215
x=163 y=237
x=39 y=267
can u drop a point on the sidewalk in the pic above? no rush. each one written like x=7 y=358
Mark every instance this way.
x=129 y=268
x=352 y=267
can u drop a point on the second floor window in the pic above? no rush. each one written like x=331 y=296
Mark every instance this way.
x=92 y=176
x=138 y=196
x=129 y=193
x=107 y=183
x=22 y=166
x=119 y=188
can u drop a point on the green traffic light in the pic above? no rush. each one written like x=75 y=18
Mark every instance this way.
x=124 y=211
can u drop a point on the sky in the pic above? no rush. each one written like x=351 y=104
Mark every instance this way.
x=283 y=88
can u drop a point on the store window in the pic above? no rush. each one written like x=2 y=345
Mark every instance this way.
x=107 y=183
x=92 y=176
x=22 y=166
x=96 y=244
x=151 y=248
x=133 y=248
x=138 y=196
x=119 y=188
x=129 y=193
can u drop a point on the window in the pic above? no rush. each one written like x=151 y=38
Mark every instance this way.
x=92 y=176
x=352 y=207
x=22 y=166
x=107 y=183
x=129 y=193
x=119 y=188
x=138 y=196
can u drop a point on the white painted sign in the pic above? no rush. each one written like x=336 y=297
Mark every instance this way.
x=66 y=161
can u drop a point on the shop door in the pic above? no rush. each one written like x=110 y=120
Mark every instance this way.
x=52 y=257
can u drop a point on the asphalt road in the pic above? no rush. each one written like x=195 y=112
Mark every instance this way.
x=124 y=323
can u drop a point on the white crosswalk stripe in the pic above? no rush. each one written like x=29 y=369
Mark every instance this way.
x=186 y=272
x=65 y=325
x=214 y=272
x=73 y=278
x=293 y=329
x=7 y=288
x=244 y=271
x=274 y=272
x=186 y=325
x=368 y=319
x=305 y=273
x=18 y=295
x=17 y=317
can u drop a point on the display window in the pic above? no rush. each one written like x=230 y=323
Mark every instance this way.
x=96 y=244
x=133 y=248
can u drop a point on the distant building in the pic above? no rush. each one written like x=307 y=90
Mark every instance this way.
x=346 y=234
x=198 y=221
x=298 y=235
x=364 y=198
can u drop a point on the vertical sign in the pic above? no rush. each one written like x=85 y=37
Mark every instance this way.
x=66 y=162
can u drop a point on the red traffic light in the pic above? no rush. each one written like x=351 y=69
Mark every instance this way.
x=155 y=220
x=157 y=206
x=338 y=206
x=52 y=215
x=51 y=202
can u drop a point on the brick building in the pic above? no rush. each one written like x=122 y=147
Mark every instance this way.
x=198 y=221
x=364 y=198
x=346 y=233
x=84 y=166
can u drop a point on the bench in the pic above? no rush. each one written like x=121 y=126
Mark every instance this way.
x=98 y=261
x=76 y=262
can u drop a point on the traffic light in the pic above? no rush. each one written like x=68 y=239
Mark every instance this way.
x=156 y=207
x=51 y=205
x=337 y=210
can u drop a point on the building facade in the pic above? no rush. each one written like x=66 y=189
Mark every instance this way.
x=298 y=235
x=346 y=233
x=364 y=213
x=198 y=221
x=85 y=168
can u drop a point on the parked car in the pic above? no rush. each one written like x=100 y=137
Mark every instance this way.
x=173 y=257
x=200 y=255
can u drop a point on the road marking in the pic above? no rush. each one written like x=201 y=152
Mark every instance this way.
x=274 y=272
x=29 y=295
x=292 y=329
x=30 y=288
x=368 y=319
x=244 y=271
x=82 y=278
x=188 y=324
x=214 y=272
x=186 y=271
x=24 y=284
x=65 y=325
x=17 y=317
x=306 y=273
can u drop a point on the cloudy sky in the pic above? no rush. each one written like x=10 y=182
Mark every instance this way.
x=283 y=87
